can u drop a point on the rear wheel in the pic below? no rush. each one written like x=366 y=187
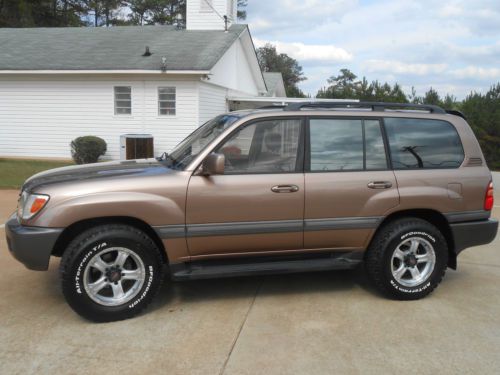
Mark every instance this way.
x=407 y=258
x=111 y=272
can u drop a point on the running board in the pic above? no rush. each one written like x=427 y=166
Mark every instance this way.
x=262 y=266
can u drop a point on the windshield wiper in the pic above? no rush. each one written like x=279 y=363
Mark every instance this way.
x=168 y=159
x=162 y=157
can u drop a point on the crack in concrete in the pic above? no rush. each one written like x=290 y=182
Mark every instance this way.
x=223 y=369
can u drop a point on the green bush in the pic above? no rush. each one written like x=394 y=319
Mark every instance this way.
x=87 y=149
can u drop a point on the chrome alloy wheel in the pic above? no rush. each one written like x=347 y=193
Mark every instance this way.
x=413 y=261
x=114 y=276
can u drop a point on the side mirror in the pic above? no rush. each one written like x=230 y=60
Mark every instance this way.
x=213 y=164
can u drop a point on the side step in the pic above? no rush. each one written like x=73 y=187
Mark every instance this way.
x=267 y=265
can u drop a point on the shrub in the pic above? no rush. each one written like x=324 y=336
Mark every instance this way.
x=87 y=149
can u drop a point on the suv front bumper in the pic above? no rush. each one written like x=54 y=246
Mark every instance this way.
x=473 y=233
x=32 y=246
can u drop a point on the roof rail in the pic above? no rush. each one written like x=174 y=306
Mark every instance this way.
x=374 y=106
x=278 y=106
x=455 y=113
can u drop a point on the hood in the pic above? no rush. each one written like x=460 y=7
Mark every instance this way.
x=108 y=170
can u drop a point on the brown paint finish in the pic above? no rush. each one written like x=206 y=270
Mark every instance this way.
x=346 y=195
x=162 y=198
x=430 y=189
x=339 y=239
x=244 y=198
x=155 y=200
x=244 y=244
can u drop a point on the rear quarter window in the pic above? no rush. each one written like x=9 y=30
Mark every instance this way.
x=423 y=144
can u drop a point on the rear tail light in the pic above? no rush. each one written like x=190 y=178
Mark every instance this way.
x=488 y=198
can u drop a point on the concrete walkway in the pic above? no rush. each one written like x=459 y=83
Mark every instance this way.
x=322 y=323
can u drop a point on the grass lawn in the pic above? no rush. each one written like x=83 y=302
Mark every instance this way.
x=13 y=172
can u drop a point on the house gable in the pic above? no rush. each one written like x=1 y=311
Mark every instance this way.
x=239 y=70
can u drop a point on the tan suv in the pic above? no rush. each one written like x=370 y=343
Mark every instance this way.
x=312 y=186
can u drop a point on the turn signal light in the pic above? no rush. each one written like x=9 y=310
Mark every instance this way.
x=488 y=198
x=38 y=204
x=31 y=204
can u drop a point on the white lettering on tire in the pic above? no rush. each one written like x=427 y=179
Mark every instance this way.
x=80 y=266
x=424 y=234
x=148 y=285
x=405 y=290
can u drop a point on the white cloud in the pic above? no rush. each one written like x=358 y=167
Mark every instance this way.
x=450 y=45
x=398 y=67
x=309 y=52
x=474 y=72
x=450 y=10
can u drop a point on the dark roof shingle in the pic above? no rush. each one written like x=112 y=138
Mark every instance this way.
x=114 y=48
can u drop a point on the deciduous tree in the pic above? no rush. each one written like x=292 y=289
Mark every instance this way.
x=272 y=61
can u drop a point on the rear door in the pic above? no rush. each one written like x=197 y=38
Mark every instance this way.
x=349 y=185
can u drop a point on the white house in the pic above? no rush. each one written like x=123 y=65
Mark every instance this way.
x=60 y=83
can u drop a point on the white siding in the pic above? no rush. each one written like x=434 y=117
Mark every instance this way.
x=40 y=116
x=200 y=16
x=234 y=72
x=213 y=101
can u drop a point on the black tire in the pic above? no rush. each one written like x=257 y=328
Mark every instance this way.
x=144 y=255
x=379 y=258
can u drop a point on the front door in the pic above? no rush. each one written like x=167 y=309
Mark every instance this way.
x=349 y=186
x=258 y=203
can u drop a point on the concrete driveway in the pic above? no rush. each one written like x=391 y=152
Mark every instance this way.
x=322 y=323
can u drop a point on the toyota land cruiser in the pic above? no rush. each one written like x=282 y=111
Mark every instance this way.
x=311 y=186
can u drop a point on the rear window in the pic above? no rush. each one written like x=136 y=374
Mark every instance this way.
x=423 y=144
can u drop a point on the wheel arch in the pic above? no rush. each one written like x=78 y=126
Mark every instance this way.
x=78 y=227
x=434 y=217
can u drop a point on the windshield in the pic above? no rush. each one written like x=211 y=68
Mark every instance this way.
x=190 y=147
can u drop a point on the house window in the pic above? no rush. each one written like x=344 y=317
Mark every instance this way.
x=206 y=6
x=123 y=100
x=166 y=101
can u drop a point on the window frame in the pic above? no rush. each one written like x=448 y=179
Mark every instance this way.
x=300 y=160
x=159 y=101
x=115 y=99
x=388 y=148
x=307 y=161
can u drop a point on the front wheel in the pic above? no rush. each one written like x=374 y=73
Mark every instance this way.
x=111 y=272
x=407 y=258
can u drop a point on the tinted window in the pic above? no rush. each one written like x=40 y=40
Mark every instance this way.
x=264 y=147
x=419 y=143
x=336 y=144
x=374 y=144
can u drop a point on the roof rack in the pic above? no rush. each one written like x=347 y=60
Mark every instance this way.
x=374 y=106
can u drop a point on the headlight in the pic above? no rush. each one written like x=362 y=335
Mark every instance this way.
x=30 y=204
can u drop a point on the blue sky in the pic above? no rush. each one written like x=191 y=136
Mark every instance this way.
x=451 y=45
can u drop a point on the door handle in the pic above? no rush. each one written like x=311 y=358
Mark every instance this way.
x=285 y=189
x=380 y=184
